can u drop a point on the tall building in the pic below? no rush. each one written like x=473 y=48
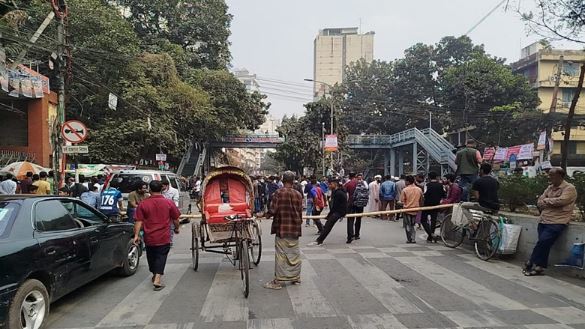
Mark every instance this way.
x=539 y=64
x=336 y=48
x=248 y=79
x=251 y=159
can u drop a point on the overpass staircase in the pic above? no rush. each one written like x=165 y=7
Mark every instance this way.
x=428 y=148
x=193 y=160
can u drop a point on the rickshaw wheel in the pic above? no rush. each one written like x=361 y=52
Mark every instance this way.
x=256 y=246
x=195 y=250
x=245 y=267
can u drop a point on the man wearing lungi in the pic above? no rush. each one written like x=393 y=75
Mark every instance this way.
x=155 y=215
x=286 y=210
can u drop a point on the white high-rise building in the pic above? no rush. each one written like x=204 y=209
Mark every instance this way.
x=334 y=50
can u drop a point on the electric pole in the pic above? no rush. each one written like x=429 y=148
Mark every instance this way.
x=565 y=145
x=58 y=157
x=553 y=108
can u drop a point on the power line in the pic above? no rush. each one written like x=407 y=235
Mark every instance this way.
x=485 y=17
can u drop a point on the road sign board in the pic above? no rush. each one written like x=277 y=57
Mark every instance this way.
x=161 y=157
x=75 y=149
x=74 y=131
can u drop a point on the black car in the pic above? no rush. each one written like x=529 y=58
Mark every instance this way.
x=50 y=246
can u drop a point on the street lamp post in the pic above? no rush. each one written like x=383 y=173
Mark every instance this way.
x=323 y=147
x=331 y=114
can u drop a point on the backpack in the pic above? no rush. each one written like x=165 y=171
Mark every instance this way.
x=319 y=199
x=361 y=195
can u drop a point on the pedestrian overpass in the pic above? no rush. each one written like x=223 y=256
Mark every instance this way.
x=422 y=150
x=197 y=158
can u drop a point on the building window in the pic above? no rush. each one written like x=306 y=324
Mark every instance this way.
x=572 y=147
x=567 y=95
x=571 y=69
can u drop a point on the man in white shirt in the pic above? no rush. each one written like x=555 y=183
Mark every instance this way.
x=170 y=192
x=8 y=185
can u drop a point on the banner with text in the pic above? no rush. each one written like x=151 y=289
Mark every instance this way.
x=331 y=143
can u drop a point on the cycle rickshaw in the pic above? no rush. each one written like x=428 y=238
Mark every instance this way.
x=227 y=225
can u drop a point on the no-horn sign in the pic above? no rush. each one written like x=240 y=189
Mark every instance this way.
x=74 y=131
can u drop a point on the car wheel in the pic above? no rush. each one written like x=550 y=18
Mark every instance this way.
x=30 y=306
x=130 y=265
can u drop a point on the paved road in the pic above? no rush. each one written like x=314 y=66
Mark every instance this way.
x=376 y=283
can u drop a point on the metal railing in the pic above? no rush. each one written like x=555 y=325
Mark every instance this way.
x=437 y=146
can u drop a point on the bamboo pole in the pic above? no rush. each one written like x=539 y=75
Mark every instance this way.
x=365 y=214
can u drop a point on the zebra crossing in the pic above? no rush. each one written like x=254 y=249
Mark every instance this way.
x=376 y=283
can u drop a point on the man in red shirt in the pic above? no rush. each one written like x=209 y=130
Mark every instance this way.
x=155 y=215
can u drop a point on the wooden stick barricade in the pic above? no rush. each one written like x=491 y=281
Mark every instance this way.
x=365 y=214
x=387 y=212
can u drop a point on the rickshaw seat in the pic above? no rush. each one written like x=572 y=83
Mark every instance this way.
x=213 y=215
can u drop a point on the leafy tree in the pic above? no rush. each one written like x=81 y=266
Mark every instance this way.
x=485 y=93
x=166 y=113
x=237 y=108
x=558 y=19
x=301 y=147
x=153 y=60
x=454 y=80
x=200 y=27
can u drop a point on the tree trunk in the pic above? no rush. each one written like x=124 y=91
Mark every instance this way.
x=565 y=145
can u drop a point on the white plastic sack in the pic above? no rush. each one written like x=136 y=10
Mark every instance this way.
x=458 y=218
x=510 y=237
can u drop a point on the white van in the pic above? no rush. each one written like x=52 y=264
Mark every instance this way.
x=127 y=180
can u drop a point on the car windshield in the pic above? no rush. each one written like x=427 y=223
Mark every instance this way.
x=127 y=182
x=7 y=212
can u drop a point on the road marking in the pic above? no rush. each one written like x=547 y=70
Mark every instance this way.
x=374 y=255
x=225 y=300
x=380 y=285
x=306 y=299
x=542 y=284
x=473 y=319
x=567 y=315
x=461 y=286
x=188 y=325
x=319 y=256
x=375 y=321
x=270 y=324
x=142 y=303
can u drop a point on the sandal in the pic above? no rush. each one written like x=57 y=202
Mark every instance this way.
x=159 y=287
x=533 y=272
x=272 y=285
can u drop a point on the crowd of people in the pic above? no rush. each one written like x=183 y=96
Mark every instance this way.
x=473 y=180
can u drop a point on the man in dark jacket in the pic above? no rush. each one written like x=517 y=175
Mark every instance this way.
x=337 y=209
x=433 y=196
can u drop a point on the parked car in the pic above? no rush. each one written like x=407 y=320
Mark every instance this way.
x=50 y=246
x=127 y=180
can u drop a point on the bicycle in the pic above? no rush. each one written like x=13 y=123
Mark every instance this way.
x=242 y=247
x=483 y=229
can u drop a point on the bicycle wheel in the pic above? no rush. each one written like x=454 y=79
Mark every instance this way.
x=487 y=239
x=245 y=267
x=194 y=249
x=451 y=234
x=256 y=245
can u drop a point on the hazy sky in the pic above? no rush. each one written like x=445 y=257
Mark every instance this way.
x=274 y=38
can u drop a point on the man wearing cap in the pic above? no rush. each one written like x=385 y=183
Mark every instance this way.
x=374 y=201
x=468 y=160
x=337 y=209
